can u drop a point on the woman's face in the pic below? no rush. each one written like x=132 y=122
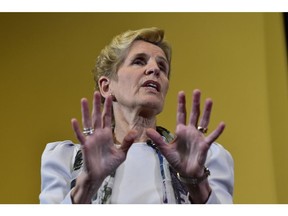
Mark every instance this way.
x=142 y=79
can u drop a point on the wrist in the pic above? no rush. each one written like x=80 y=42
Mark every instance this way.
x=84 y=190
x=201 y=193
x=194 y=181
x=198 y=187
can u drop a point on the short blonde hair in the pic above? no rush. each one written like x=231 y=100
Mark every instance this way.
x=113 y=55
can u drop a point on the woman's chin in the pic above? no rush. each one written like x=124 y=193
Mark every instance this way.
x=152 y=106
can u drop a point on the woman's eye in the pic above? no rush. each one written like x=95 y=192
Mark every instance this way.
x=139 y=61
x=163 y=68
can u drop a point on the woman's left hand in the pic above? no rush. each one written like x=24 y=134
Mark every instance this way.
x=188 y=151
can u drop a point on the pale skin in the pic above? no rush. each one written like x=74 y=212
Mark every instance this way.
x=135 y=106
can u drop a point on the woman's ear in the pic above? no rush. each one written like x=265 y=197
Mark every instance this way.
x=104 y=84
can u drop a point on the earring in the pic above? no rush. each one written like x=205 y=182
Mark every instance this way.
x=113 y=97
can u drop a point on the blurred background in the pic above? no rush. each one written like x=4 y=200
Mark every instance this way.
x=237 y=59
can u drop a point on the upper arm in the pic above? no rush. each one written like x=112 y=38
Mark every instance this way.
x=56 y=171
x=221 y=180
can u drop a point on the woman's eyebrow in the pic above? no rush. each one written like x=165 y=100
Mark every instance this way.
x=139 y=55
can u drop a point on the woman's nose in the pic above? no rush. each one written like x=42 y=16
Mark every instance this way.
x=152 y=69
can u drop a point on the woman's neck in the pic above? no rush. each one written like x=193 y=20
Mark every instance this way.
x=125 y=122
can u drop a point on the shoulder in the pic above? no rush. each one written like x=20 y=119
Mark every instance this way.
x=218 y=149
x=60 y=146
x=60 y=152
x=220 y=159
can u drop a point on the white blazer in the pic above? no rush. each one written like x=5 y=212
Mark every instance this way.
x=57 y=173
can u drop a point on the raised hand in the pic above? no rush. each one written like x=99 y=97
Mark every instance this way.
x=187 y=153
x=101 y=156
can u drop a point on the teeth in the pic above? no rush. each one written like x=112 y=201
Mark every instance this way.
x=152 y=85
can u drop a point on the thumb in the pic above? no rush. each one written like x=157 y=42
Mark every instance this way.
x=128 y=140
x=157 y=139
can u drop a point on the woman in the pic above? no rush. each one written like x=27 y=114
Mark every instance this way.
x=123 y=157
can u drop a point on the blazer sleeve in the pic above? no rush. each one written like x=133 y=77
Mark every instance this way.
x=221 y=165
x=56 y=172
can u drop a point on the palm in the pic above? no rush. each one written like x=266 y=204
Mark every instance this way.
x=191 y=148
x=101 y=156
x=187 y=153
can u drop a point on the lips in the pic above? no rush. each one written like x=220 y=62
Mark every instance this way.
x=152 y=84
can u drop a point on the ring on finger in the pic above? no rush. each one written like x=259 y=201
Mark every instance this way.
x=202 y=129
x=88 y=131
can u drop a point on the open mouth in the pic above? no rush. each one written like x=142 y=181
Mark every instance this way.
x=152 y=84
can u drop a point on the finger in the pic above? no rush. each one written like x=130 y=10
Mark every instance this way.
x=107 y=112
x=128 y=140
x=96 y=113
x=77 y=131
x=158 y=140
x=194 y=116
x=204 y=122
x=86 y=120
x=215 y=134
x=181 y=110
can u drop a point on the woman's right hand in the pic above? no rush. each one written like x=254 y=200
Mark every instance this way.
x=101 y=157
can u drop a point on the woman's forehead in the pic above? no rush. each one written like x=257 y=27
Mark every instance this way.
x=141 y=46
